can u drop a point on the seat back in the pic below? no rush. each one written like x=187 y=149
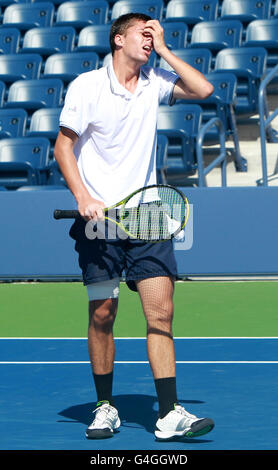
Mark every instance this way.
x=199 y=58
x=12 y=122
x=35 y=94
x=153 y=8
x=80 y=14
x=224 y=84
x=264 y=31
x=28 y=15
x=9 y=40
x=242 y=59
x=186 y=117
x=249 y=65
x=49 y=40
x=175 y=34
x=94 y=38
x=68 y=66
x=45 y=123
x=34 y=150
x=217 y=35
x=192 y=11
x=247 y=10
x=19 y=66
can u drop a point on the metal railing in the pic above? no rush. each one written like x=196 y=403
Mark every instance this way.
x=220 y=160
x=266 y=131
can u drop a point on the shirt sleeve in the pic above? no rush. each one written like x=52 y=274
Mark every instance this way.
x=74 y=112
x=167 y=82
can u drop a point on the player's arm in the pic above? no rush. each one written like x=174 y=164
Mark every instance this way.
x=191 y=83
x=88 y=207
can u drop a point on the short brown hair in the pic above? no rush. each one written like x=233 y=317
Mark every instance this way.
x=121 y=24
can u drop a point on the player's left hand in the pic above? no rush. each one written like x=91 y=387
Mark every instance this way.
x=154 y=28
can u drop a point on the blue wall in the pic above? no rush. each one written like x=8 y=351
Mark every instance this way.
x=231 y=231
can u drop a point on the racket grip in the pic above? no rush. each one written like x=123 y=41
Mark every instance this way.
x=65 y=214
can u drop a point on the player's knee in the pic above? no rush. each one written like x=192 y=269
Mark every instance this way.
x=161 y=314
x=102 y=314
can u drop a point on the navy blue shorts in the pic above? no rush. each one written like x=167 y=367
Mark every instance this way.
x=104 y=259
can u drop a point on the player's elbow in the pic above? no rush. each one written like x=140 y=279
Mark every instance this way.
x=206 y=90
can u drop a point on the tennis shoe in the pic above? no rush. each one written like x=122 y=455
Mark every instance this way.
x=105 y=422
x=179 y=423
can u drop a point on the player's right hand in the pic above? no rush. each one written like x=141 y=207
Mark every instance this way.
x=91 y=209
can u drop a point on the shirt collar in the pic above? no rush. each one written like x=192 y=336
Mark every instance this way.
x=119 y=89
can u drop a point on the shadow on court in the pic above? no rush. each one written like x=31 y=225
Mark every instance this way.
x=135 y=411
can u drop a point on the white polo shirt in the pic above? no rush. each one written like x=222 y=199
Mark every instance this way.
x=116 y=149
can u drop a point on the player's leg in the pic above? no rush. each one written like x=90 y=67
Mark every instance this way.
x=156 y=295
x=174 y=421
x=102 y=314
x=101 y=345
x=101 y=263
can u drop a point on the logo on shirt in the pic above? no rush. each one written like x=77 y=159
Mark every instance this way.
x=72 y=109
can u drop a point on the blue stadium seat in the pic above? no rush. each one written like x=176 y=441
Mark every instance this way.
x=35 y=94
x=69 y=66
x=9 y=40
x=23 y=161
x=161 y=158
x=180 y=124
x=249 y=65
x=153 y=8
x=216 y=35
x=55 y=176
x=2 y=93
x=29 y=15
x=264 y=33
x=45 y=123
x=191 y=11
x=175 y=34
x=245 y=10
x=200 y=59
x=221 y=104
x=16 y=66
x=12 y=122
x=94 y=38
x=82 y=13
x=49 y=40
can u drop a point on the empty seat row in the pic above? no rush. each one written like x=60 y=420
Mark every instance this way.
x=30 y=66
x=79 y=13
x=211 y=35
x=32 y=94
x=249 y=64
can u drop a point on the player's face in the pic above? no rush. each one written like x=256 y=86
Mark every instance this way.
x=137 y=44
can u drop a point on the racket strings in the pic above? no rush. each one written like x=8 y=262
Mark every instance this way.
x=154 y=214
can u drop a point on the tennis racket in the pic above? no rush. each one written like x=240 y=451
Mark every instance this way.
x=153 y=213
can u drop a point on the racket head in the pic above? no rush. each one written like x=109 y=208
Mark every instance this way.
x=154 y=213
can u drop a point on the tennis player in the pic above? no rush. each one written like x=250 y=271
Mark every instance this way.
x=106 y=149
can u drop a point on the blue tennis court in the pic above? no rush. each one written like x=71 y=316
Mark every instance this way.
x=47 y=394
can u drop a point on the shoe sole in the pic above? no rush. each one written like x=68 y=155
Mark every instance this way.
x=199 y=428
x=102 y=433
x=99 y=433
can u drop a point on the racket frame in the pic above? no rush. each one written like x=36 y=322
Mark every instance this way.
x=74 y=214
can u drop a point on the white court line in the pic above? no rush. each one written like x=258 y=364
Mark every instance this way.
x=142 y=337
x=133 y=362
